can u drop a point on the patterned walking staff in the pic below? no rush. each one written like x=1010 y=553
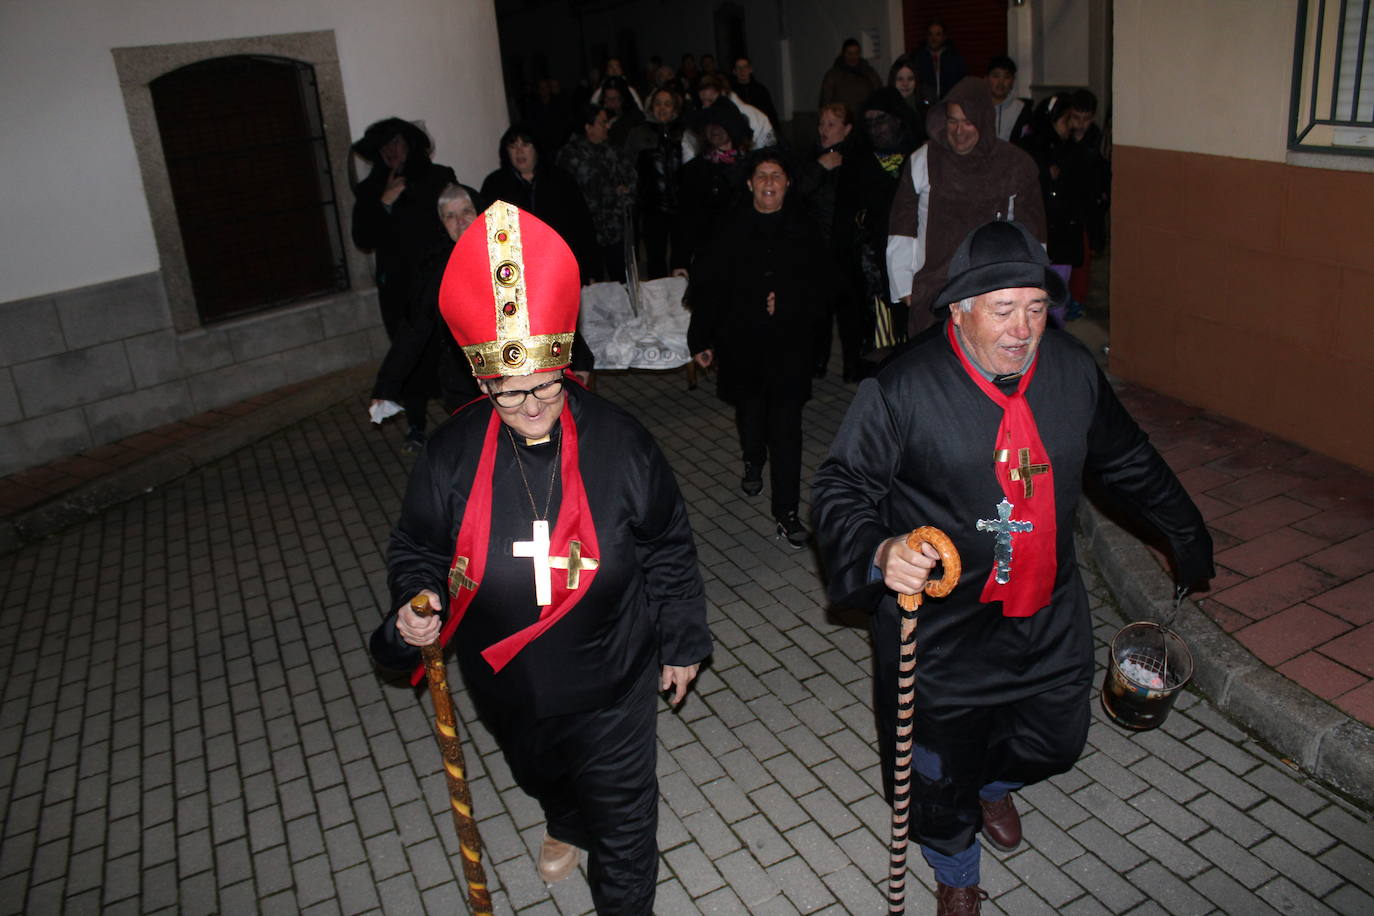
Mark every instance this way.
x=460 y=798
x=906 y=705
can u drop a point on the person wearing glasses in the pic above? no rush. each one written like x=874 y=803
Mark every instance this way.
x=546 y=530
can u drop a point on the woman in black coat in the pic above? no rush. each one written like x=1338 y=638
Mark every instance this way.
x=545 y=190
x=757 y=295
x=395 y=214
x=712 y=184
x=654 y=147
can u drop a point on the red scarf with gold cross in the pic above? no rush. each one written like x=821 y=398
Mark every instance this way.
x=573 y=539
x=1024 y=471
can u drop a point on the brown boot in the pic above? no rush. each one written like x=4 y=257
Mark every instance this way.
x=1001 y=824
x=556 y=859
x=958 y=901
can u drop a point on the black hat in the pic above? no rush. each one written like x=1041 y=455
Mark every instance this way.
x=724 y=113
x=379 y=134
x=999 y=255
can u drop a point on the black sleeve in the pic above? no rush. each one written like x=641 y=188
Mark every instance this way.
x=667 y=556
x=417 y=558
x=708 y=290
x=370 y=218
x=847 y=492
x=1121 y=455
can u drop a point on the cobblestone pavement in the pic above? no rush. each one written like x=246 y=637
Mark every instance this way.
x=190 y=723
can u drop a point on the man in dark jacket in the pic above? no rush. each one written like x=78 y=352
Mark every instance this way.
x=395 y=215
x=984 y=431
x=850 y=79
x=939 y=65
x=751 y=90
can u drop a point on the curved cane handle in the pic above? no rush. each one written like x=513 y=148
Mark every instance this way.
x=949 y=556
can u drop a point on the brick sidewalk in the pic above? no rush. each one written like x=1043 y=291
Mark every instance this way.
x=198 y=728
x=1294 y=535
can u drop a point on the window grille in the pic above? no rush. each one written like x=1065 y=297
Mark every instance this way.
x=244 y=143
x=1333 y=78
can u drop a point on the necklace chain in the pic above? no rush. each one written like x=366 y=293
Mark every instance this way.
x=553 y=471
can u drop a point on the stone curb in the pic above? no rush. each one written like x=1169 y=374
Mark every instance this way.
x=163 y=467
x=1321 y=739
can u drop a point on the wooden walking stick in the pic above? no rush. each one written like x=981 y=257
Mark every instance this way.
x=906 y=705
x=460 y=798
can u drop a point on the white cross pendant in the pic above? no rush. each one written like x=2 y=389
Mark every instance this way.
x=537 y=549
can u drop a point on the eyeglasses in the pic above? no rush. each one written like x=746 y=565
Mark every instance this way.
x=514 y=397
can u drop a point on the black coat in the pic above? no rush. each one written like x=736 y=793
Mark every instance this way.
x=757 y=254
x=646 y=604
x=403 y=235
x=708 y=193
x=916 y=448
x=863 y=200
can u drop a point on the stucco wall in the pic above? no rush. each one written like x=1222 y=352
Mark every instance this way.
x=96 y=342
x=1239 y=283
x=1210 y=77
x=78 y=214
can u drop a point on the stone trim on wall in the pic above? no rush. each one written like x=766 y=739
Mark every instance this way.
x=85 y=367
x=137 y=67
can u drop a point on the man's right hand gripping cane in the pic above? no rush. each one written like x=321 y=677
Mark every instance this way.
x=905 y=570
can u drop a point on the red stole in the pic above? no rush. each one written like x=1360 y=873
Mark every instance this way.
x=470 y=550
x=1018 y=451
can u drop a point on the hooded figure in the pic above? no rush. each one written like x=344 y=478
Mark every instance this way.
x=962 y=178
x=396 y=211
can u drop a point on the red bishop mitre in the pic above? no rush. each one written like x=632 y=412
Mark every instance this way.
x=510 y=294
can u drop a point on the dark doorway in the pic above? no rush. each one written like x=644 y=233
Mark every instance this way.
x=251 y=180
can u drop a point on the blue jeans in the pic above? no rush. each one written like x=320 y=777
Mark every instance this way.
x=961 y=870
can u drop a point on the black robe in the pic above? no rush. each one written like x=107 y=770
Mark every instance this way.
x=758 y=253
x=645 y=604
x=916 y=448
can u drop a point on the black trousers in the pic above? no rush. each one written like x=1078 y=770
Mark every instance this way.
x=958 y=750
x=594 y=775
x=770 y=431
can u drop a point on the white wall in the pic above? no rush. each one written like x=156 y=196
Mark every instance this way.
x=1209 y=77
x=1063 y=57
x=73 y=202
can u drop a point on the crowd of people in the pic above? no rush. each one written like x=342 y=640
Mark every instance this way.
x=940 y=223
x=661 y=171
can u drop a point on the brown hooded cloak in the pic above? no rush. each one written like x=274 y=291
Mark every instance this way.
x=994 y=181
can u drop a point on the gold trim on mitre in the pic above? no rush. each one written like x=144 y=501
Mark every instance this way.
x=520 y=357
x=506 y=258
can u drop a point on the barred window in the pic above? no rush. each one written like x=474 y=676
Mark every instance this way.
x=244 y=143
x=1333 y=78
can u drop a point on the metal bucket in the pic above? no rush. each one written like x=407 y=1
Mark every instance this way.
x=1148 y=666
